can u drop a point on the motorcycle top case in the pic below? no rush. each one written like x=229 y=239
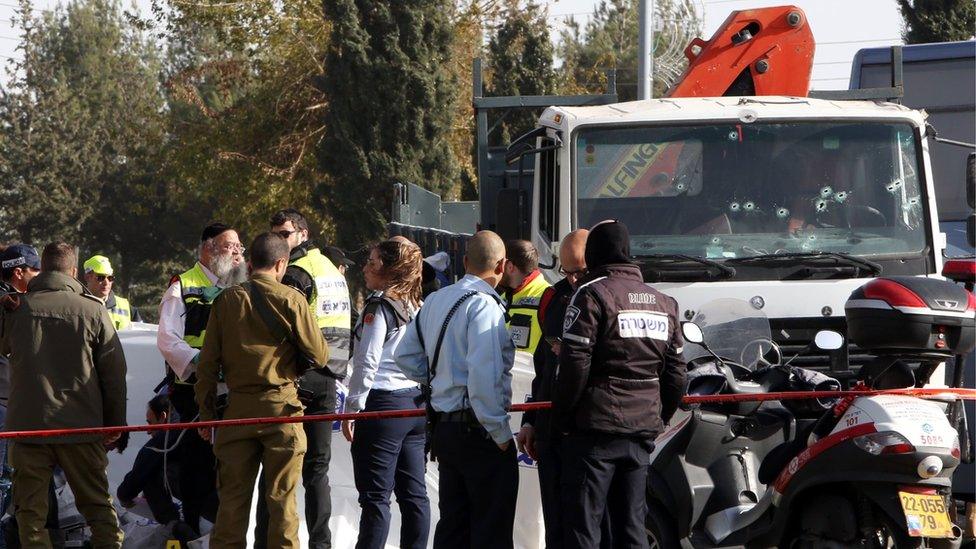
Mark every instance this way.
x=903 y=314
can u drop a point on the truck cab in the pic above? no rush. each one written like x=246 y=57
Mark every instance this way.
x=789 y=203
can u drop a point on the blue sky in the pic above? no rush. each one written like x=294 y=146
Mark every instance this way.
x=841 y=27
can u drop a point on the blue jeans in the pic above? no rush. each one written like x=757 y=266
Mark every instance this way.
x=388 y=457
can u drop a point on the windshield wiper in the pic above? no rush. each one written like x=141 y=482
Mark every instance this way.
x=799 y=257
x=667 y=267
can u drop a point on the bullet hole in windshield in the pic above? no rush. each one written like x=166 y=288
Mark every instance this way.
x=734 y=207
x=749 y=206
x=893 y=186
x=825 y=192
x=782 y=213
x=820 y=205
x=841 y=196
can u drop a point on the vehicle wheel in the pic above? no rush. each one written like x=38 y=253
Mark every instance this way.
x=660 y=528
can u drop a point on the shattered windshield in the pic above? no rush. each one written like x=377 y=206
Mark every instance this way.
x=740 y=190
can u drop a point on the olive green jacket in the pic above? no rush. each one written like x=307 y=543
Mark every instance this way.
x=67 y=368
x=260 y=370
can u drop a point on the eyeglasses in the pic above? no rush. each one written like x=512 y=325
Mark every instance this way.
x=103 y=278
x=577 y=272
x=236 y=248
x=285 y=233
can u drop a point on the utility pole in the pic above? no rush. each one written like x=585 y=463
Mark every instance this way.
x=645 y=51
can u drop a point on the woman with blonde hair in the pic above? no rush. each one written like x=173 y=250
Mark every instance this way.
x=387 y=454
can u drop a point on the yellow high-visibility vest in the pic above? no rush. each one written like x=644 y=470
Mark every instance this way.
x=523 y=311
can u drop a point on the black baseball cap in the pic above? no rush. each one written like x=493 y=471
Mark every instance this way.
x=20 y=255
x=337 y=256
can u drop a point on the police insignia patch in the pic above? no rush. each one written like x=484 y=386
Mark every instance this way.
x=572 y=313
x=368 y=319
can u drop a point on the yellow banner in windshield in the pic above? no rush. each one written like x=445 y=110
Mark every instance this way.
x=640 y=170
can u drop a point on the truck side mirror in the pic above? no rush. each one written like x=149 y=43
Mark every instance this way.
x=971 y=183
x=512 y=214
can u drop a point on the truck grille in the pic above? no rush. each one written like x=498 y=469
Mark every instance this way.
x=793 y=335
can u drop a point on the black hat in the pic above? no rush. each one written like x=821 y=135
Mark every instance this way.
x=214 y=230
x=337 y=256
x=608 y=242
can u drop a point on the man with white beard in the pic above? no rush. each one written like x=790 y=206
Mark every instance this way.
x=183 y=314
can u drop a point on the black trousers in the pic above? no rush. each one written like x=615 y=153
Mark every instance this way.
x=388 y=458
x=478 y=488
x=550 y=465
x=315 y=467
x=198 y=467
x=604 y=473
x=160 y=501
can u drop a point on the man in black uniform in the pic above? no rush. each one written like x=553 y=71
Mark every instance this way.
x=620 y=379
x=536 y=437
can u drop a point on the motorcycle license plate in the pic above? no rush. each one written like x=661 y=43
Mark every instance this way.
x=925 y=513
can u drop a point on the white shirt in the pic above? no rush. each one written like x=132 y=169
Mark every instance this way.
x=169 y=337
x=373 y=362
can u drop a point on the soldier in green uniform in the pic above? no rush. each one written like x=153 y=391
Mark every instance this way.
x=100 y=279
x=320 y=281
x=261 y=336
x=75 y=379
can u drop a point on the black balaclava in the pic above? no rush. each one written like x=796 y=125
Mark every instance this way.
x=608 y=242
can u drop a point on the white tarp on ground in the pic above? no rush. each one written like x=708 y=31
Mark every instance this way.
x=146 y=370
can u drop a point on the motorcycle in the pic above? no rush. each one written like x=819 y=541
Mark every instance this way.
x=865 y=472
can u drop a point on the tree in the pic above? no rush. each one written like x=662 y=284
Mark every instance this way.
x=390 y=111
x=72 y=114
x=520 y=62
x=937 y=20
x=81 y=138
x=609 y=40
x=245 y=115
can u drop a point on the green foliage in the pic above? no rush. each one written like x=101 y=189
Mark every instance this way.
x=245 y=116
x=520 y=62
x=390 y=109
x=609 y=40
x=937 y=20
x=81 y=128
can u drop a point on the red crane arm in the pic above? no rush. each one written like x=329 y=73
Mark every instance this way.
x=764 y=51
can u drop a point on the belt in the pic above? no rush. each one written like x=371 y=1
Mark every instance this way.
x=404 y=391
x=459 y=416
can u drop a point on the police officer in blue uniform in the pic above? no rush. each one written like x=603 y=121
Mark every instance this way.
x=458 y=345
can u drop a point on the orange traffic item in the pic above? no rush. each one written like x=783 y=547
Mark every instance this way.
x=763 y=51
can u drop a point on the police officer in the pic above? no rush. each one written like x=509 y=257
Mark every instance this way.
x=537 y=438
x=183 y=315
x=458 y=345
x=620 y=379
x=325 y=290
x=525 y=285
x=19 y=263
x=261 y=335
x=100 y=278
x=79 y=343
